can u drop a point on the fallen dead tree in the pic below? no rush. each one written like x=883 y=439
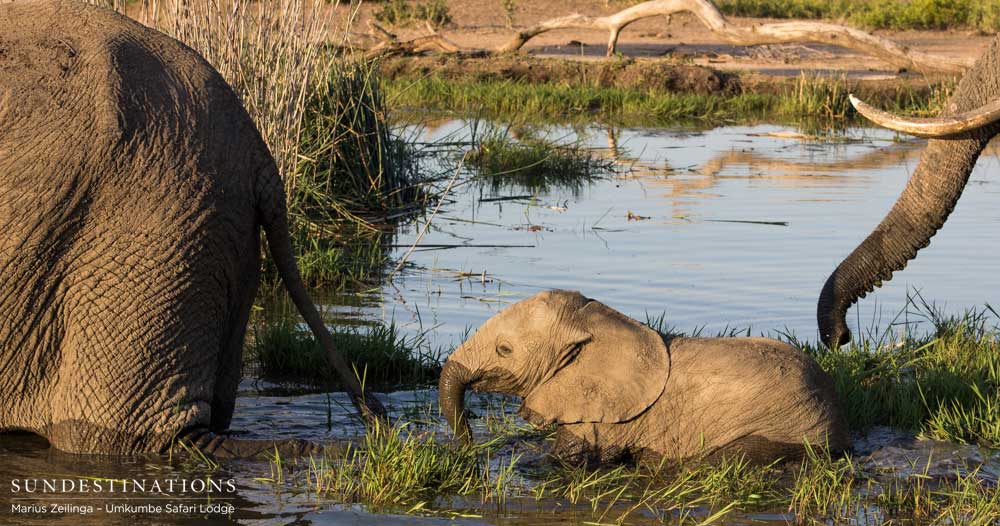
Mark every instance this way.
x=390 y=44
x=714 y=21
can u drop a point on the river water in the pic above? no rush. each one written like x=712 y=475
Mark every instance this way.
x=733 y=228
x=729 y=229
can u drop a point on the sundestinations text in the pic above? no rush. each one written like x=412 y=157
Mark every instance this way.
x=205 y=486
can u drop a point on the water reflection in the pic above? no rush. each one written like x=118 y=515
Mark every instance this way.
x=727 y=228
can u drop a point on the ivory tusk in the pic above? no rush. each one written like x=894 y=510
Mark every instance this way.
x=932 y=127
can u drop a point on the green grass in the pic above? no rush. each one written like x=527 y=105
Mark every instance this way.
x=400 y=468
x=395 y=467
x=945 y=385
x=351 y=163
x=287 y=353
x=406 y=469
x=530 y=163
x=404 y=12
x=983 y=15
x=815 y=101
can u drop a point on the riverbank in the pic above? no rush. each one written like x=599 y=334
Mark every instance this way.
x=649 y=93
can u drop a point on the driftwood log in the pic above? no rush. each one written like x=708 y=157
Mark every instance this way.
x=775 y=33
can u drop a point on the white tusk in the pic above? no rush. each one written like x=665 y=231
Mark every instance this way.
x=933 y=127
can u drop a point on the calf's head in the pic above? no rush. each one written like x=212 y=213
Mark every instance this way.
x=570 y=358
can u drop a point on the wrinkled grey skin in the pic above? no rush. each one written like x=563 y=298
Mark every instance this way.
x=619 y=390
x=922 y=208
x=133 y=188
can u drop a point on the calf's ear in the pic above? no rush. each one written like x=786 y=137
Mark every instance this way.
x=617 y=373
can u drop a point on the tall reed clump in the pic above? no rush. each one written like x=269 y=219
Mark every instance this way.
x=321 y=114
x=353 y=177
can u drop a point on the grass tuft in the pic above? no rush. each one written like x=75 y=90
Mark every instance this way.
x=532 y=164
x=395 y=466
x=404 y=12
x=824 y=486
x=287 y=353
x=837 y=490
x=945 y=384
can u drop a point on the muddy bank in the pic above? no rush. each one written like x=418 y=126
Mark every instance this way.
x=654 y=75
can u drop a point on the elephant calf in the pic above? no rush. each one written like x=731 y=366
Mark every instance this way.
x=617 y=389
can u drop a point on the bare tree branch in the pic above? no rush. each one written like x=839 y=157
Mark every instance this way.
x=777 y=33
x=391 y=45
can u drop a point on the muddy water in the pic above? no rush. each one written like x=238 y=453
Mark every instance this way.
x=732 y=228
x=261 y=499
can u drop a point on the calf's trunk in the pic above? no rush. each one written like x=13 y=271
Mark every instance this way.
x=455 y=380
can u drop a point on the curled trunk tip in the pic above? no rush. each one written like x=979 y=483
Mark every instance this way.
x=455 y=380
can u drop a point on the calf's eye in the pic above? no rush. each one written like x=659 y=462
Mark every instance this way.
x=504 y=350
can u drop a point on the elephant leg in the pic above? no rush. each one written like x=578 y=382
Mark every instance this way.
x=139 y=357
x=230 y=369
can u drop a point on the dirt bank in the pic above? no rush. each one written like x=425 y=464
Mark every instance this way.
x=680 y=38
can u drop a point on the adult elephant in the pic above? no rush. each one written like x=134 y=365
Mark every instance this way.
x=957 y=139
x=133 y=187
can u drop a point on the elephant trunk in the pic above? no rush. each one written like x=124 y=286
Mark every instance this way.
x=925 y=204
x=455 y=380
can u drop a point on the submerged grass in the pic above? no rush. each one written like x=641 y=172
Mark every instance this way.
x=400 y=468
x=815 y=101
x=838 y=490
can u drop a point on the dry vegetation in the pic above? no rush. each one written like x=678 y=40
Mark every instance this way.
x=320 y=111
